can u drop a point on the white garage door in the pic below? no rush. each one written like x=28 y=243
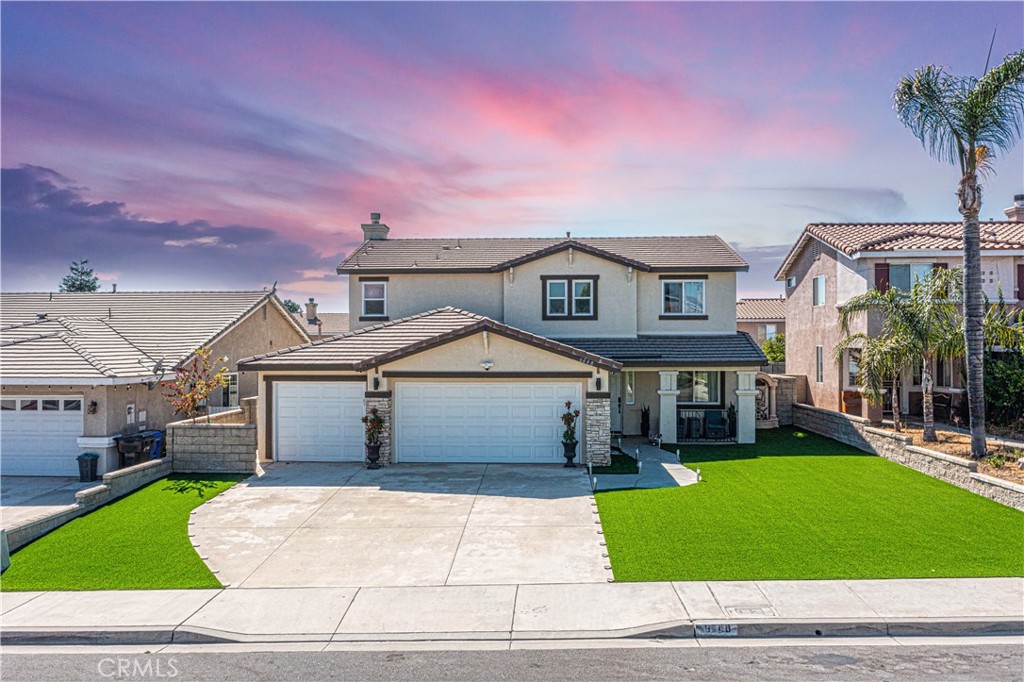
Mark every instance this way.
x=474 y=422
x=318 y=421
x=39 y=435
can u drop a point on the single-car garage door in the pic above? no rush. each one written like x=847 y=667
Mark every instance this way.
x=318 y=421
x=39 y=435
x=478 y=422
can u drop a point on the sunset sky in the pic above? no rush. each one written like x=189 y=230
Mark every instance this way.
x=231 y=145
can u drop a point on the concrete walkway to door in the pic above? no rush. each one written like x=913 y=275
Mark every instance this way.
x=340 y=525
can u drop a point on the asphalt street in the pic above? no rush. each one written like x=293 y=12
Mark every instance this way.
x=995 y=662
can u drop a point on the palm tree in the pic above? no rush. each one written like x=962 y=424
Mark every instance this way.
x=918 y=326
x=960 y=120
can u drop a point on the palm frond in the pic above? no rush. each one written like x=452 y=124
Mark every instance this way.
x=993 y=111
x=929 y=103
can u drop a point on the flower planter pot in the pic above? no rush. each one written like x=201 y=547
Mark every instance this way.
x=372 y=455
x=569 y=448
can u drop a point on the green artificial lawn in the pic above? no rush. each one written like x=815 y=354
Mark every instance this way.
x=139 y=542
x=800 y=506
x=621 y=464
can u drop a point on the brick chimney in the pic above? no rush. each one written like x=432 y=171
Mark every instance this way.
x=375 y=230
x=1015 y=214
x=311 y=311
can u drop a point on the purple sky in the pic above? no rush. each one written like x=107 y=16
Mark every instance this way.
x=187 y=145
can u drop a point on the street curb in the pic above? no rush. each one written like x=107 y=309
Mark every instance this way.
x=701 y=629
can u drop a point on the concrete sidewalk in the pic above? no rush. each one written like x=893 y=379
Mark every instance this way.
x=829 y=608
x=658 y=469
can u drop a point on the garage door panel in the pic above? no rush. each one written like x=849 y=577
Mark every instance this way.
x=478 y=422
x=318 y=421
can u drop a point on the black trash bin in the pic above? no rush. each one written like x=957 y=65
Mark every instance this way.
x=87 y=465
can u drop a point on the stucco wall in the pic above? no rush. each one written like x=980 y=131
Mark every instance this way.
x=719 y=304
x=751 y=328
x=616 y=297
x=413 y=294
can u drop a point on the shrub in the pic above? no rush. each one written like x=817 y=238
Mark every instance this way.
x=775 y=348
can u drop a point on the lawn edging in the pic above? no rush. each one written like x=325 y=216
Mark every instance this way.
x=859 y=433
x=115 y=484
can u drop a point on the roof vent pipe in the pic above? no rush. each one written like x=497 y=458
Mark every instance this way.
x=113 y=288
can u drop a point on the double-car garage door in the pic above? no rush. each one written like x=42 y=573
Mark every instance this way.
x=434 y=421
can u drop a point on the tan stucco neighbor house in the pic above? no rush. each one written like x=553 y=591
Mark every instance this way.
x=78 y=369
x=471 y=347
x=832 y=262
x=762 y=318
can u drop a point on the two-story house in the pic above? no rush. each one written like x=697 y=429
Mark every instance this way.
x=830 y=263
x=762 y=318
x=471 y=348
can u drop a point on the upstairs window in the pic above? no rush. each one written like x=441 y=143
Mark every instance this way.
x=682 y=297
x=902 y=276
x=375 y=299
x=570 y=297
x=765 y=332
x=818 y=293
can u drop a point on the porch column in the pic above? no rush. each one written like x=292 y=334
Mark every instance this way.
x=669 y=391
x=746 y=412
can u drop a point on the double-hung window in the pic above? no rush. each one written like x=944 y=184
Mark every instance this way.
x=819 y=364
x=853 y=366
x=570 y=297
x=375 y=296
x=230 y=395
x=765 y=332
x=682 y=297
x=699 y=388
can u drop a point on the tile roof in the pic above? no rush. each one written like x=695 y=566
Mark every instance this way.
x=108 y=336
x=760 y=309
x=371 y=346
x=871 y=238
x=331 y=324
x=650 y=351
x=497 y=254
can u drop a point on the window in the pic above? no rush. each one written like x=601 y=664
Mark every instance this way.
x=943 y=372
x=819 y=364
x=903 y=276
x=72 y=405
x=790 y=282
x=819 y=290
x=230 y=391
x=680 y=297
x=699 y=388
x=630 y=388
x=916 y=378
x=853 y=368
x=765 y=332
x=51 y=405
x=375 y=299
x=29 y=405
x=8 y=405
x=569 y=297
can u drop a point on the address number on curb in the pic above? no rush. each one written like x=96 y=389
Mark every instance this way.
x=716 y=629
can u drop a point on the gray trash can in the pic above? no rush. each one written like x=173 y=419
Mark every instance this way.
x=87 y=465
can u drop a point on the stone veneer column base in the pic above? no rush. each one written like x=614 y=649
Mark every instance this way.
x=597 y=416
x=382 y=401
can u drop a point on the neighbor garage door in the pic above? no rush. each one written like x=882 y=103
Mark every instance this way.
x=39 y=435
x=318 y=421
x=477 y=422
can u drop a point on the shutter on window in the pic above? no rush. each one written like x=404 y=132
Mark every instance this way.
x=882 y=277
x=940 y=266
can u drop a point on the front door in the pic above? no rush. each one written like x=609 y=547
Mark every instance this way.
x=616 y=385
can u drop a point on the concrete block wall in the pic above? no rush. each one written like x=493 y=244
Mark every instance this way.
x=597 y=429
x=785 y=398
x=858 y=432
x=212 y=448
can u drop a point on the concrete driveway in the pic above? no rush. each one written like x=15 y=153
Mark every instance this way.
x=26 y=498
x=340 y=525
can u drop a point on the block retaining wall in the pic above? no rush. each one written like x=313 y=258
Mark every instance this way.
x=218 y=447
x=115 y=484
x=859 y=433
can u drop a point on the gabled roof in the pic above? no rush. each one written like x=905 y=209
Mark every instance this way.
x=112 y=338
x=760 y=309
x=372 y=346
x=871 y=239
x=661 y=254
x=711 y=350
x=330 y=324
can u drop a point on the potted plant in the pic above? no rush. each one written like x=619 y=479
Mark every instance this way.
x=569 y=441
x=374 y=426
x=645 y=421
x=730 y=414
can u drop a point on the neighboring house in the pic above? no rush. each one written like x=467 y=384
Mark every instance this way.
x=830 y=263
x=762 y=318
x=471 y=347
x=321 y=325
x=77 y=369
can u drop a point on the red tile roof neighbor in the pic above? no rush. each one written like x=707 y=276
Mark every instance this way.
x=761 y=309
x=704 y=253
